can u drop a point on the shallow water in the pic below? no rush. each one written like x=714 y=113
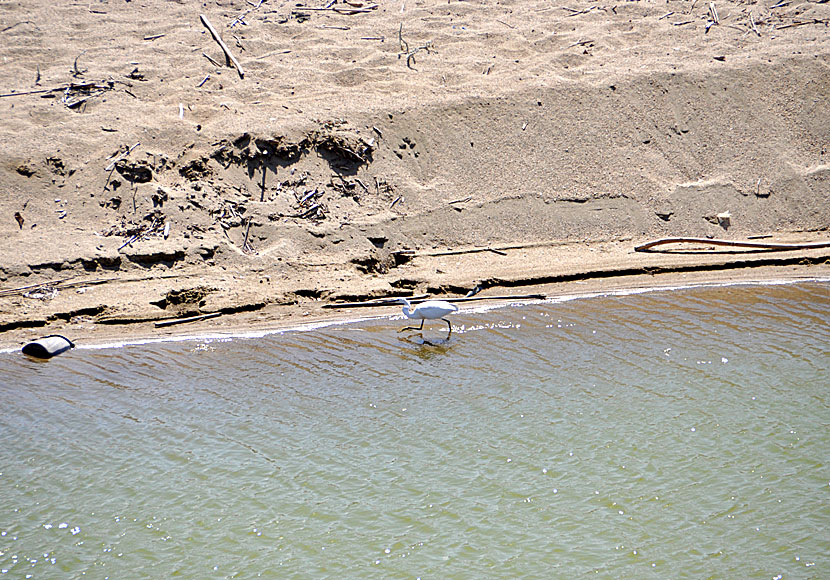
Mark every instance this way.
x=668 y=434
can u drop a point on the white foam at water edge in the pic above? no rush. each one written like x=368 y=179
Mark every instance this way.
x=647 y=290
x=231 y=335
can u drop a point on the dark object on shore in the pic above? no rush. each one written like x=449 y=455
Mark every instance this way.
x=733 y=243
x=48 y=346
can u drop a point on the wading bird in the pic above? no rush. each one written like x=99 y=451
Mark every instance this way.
x=429 y=310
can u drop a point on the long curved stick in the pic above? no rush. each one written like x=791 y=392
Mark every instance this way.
x=733 y=243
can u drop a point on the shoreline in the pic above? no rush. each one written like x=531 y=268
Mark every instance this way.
x=145 y=181
x=235 y=327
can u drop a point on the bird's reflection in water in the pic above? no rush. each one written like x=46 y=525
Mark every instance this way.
x=428 y=347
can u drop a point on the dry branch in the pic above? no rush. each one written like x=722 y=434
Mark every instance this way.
x=241 y=18
x=772 y=247
x=423 y=298
x=222 y=45
x=174 y=321
x=99 y=85
x=339 y=10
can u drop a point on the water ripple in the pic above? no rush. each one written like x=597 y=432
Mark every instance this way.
x=629 y=435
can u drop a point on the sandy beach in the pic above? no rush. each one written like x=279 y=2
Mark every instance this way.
x=350 y=151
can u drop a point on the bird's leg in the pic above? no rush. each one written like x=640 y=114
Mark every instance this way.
x=414 y=328
x=448 y=326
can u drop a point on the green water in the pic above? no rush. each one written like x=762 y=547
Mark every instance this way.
x=665 y=435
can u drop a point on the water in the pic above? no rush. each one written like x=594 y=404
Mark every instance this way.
x=669 y=434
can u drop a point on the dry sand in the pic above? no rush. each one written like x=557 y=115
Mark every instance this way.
x=368 y=142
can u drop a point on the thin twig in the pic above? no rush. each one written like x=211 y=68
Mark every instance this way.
x=802 y=23
x=175 y=321
x=245 y=247
x=580 y=43
x=752 y=24
x=574 y=12
x=78 y=72
x=122 y=156
x=18 y=24
x=361 y=184
x=222 y=45
x=212 y=61
x=241 y=18
x=391 y=301
x=273 y=52
x=12 y=291
x=340 y=10
x=101 y=85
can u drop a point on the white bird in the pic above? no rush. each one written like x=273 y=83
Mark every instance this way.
x=429 y=310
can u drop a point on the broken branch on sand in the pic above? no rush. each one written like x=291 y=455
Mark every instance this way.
x=795 y=23
x=423 y=298
x=732 y=243
x=241 y=18
x=6 y=29
x=574 y=12
x=410 y=54
x=246 y=247
x=175 y=321
x=500 y=252
x=378 y=302
x=339 y=10
x=212 y=61
x=99 y=85
x=713 y=16
x=62 y=284
x=122 y=156
x=222 y=45
x=752 y=24
x=21 y=289
x=580 y=43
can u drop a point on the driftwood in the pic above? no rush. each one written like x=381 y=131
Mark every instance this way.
x=795 y=23
x=772 y=247
x=174 y=321
x=57 y=284
x=369 y=303
x=424 y=298
x=100 y=85
x=222 y=45
x=454 y=252
x=343 y=10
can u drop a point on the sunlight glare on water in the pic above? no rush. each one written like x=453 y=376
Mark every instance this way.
x=656 y=435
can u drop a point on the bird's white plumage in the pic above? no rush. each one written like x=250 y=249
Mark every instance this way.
x=429 y=310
